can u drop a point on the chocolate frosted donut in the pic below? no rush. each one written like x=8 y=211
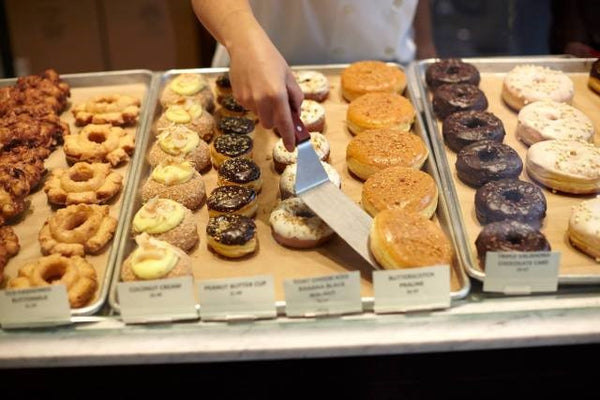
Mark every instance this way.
x=510 y=199
x=465 y=127
x=450 y=98
x=223 y=81
x=451 y=71
x=225 y=147
x=509 y=236
x=235 y=126
x=240 y=171
x=594 y=79
x=231 y=229
x=486 y=160
x=232 y=199
x=231 y=104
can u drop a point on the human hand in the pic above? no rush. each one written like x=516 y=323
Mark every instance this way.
x=578 y=49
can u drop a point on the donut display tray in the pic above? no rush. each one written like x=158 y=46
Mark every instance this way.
x=271 y=258
x=135 y=83
x=576 y=268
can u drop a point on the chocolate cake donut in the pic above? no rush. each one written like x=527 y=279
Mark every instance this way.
x=465 y=127
x=487 y=160
x=450 y=71
x=450 y=98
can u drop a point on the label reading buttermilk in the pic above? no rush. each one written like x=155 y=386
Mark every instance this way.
x=521 y=272
x=35 y=307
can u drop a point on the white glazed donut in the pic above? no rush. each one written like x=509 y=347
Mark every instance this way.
x=584 y=227
x=294 y=225
x=547 y=119
x=525 y=84
x=312 y=115
x=569 y=166
x=282 y=158
x=288 y=179
x=313 y=84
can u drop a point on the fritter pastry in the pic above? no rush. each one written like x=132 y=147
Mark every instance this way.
x=9 y=247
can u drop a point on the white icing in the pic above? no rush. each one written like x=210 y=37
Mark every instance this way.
x=293 y=219
x=288 y=178
x=568 y=158
x=554 y=120
x=585 y=222
x=311 y=81
x=533 y=83
x=319 y=143
x=311 y=112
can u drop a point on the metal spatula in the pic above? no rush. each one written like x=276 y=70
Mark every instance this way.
x=313 y=186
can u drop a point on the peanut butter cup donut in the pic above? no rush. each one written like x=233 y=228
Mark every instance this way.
x=594 y=79
x=223 y=86
x=232 y=235
x=225 y=147
x=450 y=71
x=450 y=98
x=465 y=127
x=240 y=171
x=235 y=126
x=231 y=108
x=486 y=160
x=232 y=199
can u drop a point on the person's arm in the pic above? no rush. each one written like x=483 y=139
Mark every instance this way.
x=423 y=31
x=260 y=77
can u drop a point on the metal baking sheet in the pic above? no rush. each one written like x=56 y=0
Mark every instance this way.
x=576 y=268
x=83 y=86
x=331 y=258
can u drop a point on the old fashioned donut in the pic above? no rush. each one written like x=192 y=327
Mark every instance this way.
x=9 y=247
x=231 y=108
x=282 y=158
x=525 y=84
x=94 y=183
x=380 y=110
x=294 y=225
x=188 y=88
x=450 y=98
x=232 y=199
x=235 y=126
x=77 y=230
x=176 y=180
x=371 y=76
x=594 y=78
x=287 y=181
x=99 y=143
x=231 y=235
x=225 y=147
x=78 y=275
x=509 y=235
x=240 y=171
x=191 y=115
x=510 y=199
x=466 y=127
x=113 y=109
x=451 y=70
x=223 y=87
x=487 y=160
x=314 y=84
x=584 y=227
x=182 y=142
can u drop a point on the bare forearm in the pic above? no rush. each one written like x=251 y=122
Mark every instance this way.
x=424 y=31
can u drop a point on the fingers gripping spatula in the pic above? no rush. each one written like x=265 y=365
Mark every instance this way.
x=326 y=200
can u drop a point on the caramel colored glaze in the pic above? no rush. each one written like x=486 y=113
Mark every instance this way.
x=384 y=148
x=373 y=76
x=381 y=110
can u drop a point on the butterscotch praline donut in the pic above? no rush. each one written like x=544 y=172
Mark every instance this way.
x=380 y=110
x=180 y=141
x=187 y=88
x=371 y=76
x=190 y=115
x=176 y=180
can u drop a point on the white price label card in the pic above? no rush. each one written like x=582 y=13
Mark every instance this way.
x=423 y=288
x=35 y=307
x=325 y=295
x=521 y=272
x=157 y=300
x=237 y=298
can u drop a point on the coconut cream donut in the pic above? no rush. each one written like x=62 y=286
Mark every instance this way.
x=282 y=158
x=293 y=224
x=287 y=181
x=584 y=227
x=566 y=165
x=547 y=119
x=312 y=115
x=188 y=87
x=177 y=180
x=525 y=84
x=313 y=84
x=190 y=115
x=180 y=141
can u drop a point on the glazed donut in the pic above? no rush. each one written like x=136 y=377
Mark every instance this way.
x=569 y=166
x=282 y=158
x=487 y=160
x=547 y=119
x=231 y=108
x=225 y=147
x=231 y=235
x=240 y=171
x=176 y=180
x=294 y=225
x=155 y=259
x=584 y=231
x=83 y=182
x=525 y=84
x=510 y=199
x=312 y=115
x=223 y=86
x=509 y=235
x=77 y=230
x=594 y=79
x=371 y=76
x=78 y=275
x=186 y=88
x=113 y=109
x=378 y=149
x=232 y=199
x=179 y=141
x=400 y=239
x=235 y=126
x=287 y=181
x=450 y=98
x=314 y=85
x=380 y=110
x=466 y=127
x=412 y=190
x=451 y=70
x=167 y=220
x=190 y=115
x=99 y=143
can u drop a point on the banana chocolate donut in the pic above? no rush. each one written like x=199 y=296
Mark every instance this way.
x=223 y=86
x=176 y=180
x=225 y=147
x=594 y=79
x=449 y=71
x=182 y=142
x=240 y=171
x=232 y=199
x=509 y=235
x=487 y=160
x=231 y=235
x=510 y=199
x=450 y=98
x=235 y=126
x=282 y=158
x=312 y=115
x=287 y=182
x=466 y=127
x=314 y=84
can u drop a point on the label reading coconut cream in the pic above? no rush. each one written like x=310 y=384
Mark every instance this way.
x=521 y=272
x=35 y=307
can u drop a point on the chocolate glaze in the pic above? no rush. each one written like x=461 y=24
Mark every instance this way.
x=451 y=71
x=235 y=125
x=487 y=160
x=231 y=229
x=232 y=105
x=595 y=71
x=239 y=170
x=223 y=81
x=450 y=98
x=230 y=198
x=465 y=127
x=233 y=145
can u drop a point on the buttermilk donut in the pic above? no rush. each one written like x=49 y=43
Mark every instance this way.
x=94 y=183
x=509 y=236
x=412 y=190
x=176 y=180
x=448 y=99
x=400 y=239
x=547 y=120
x=231 y=235
x=314 y=84
x=510 y=199
x=380 y=110
x=282 y=158
x=525 y=84
x=78 y=275
x=155 y=259
x=99 y=143
x=451 y=70
x=232 y=199
x=186 y=88
x=374 y=150
x=190 y=115
x=584 y=227
x=287 y=181
x=466 y=127
x=114 y=109
x=569 y=166
x=235 y=126
x=294 y=225
x=225 y=147
x=371 y=76
x=167 y=220
x=240 y=171
x=223 y=87
x=9 y=247
x=594 y=79
x=487 y=160
x=182 y=142
x=231 y=108
x=77 y=230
